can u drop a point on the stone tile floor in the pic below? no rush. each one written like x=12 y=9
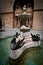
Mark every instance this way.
x=11 y=32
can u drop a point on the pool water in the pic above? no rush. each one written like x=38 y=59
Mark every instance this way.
x=32 y=56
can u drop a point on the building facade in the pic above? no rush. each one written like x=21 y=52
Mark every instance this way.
x=7 y=14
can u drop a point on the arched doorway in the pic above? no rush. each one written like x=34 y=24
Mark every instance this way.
x=0 y=24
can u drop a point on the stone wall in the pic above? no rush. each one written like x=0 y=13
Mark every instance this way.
x=38 y=4
x=38 y=15
x=38 y=20
x=7 y=20
x=6 y=6
x=6 y=13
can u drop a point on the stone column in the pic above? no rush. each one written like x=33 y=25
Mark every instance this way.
x=27 y=22
x=18 y=22
x=30 y=22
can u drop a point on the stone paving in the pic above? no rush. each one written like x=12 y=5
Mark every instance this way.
x=9 y=32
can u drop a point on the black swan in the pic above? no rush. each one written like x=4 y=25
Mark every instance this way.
x=35 y=37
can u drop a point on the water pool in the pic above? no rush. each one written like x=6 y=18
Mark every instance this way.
x=32 y=56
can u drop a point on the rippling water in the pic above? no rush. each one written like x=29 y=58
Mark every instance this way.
x=32 y=56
